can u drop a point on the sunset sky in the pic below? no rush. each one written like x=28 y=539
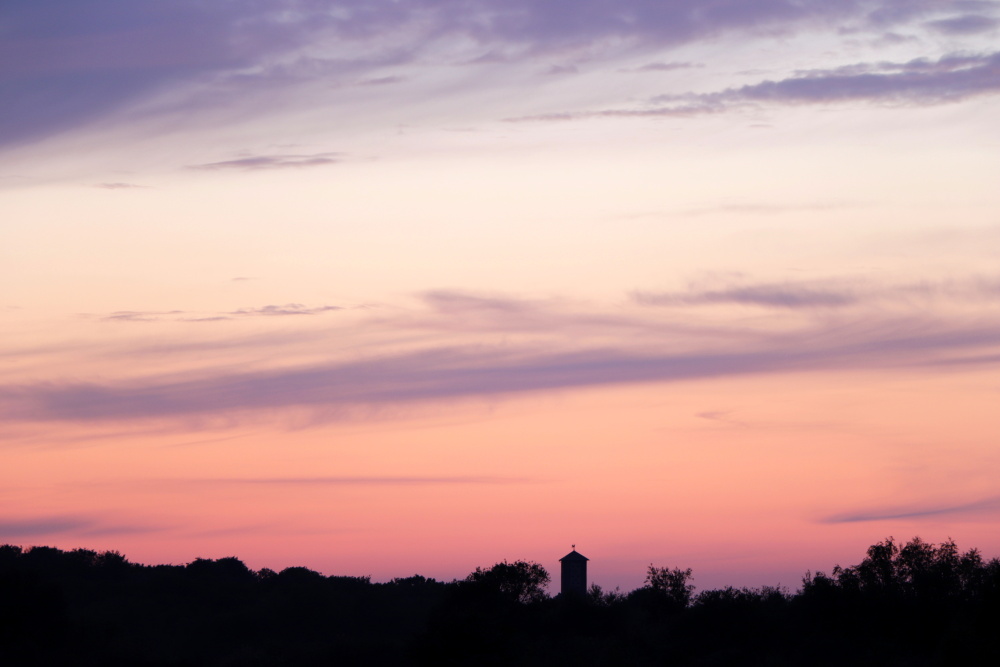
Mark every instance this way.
x=388 y=287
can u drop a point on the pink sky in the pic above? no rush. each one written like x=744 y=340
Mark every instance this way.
x=401 y=287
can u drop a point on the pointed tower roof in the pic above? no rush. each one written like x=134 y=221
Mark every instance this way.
x=574 y=555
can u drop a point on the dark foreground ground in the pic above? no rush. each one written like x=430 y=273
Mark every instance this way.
x=916 y=604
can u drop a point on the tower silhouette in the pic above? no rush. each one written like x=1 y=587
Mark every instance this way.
x=574 y=573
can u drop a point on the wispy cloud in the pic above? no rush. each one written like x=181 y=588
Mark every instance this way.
x=968 y=24
x=457 y=372
x=663 y=67
x=382 y=81
x=262 y=162
x=674 y=111
x=764 y=208
x=119 y=186
x=99 y=59
x=822 y=294
x=984 y=507
x=366 y=481
x=125 y=529
x=140 y=315
x=561 y=70
x=773 y=296
x=453 y=310
x=51 y=526
x=35 y=527
x=721 y=416
x=454 y=301
x=185 y=316
x=919 y=82
x=458 y=346
x=287 y=309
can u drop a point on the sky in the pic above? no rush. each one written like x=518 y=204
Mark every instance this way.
x=411 y=286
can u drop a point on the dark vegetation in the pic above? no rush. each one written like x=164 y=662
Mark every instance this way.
x=915 y=604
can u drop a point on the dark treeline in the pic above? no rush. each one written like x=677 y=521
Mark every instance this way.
x=915 y=604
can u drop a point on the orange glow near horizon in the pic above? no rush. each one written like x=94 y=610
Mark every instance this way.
x=637 y=474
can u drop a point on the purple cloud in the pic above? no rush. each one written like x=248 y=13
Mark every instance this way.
x=676 y=111
x=382 y=81
x=819 y=294
x=526 y=346
x=118 y=186
x=663 y=67
x=51 y=525
x=561 y=70
x=366 y=481
x=773 y=296
x=263 y=311
x=721 y=416
x=969 y=24
x=987 y=506
x=919 y=82
x=824 y=294
x=261 y=162
x=338 y=388
x=65 y=525
x=139 y=315
x=64 y=63
x=892 y=13
x=457 y=302
x=287 y=309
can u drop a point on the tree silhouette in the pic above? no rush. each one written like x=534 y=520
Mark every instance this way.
x=521 y=581
x=671 y=584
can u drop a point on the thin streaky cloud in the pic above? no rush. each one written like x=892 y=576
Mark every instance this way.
x=124 y=54
x=119 y=186
x=286 y=309
x=772 y=296
x=973 y=360
x=139 y=315
x=382 y=81
x=454 y=310
x=83 y=526
x=367 y=481
x=678 y=111
x=561 y=70
x=266 y=162
x=720 y=416
x=455 y=301
x=104 y=531
x=764 y=208
x=467 y=372
x=175 y=315
x=987 y=506
x=917 y=82
x=969 y=24
x=920 y=82
x=663 y=67
x=823 y=294
x=50 y=525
